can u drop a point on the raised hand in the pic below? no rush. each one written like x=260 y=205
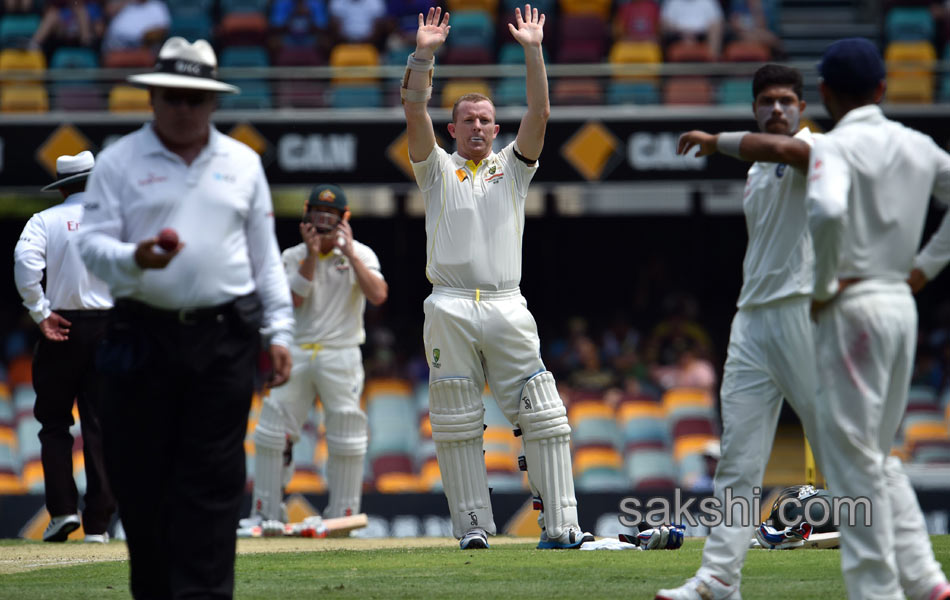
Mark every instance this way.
x=433 y=29
x=530 y=30
x=705 y=141
x=310 y=237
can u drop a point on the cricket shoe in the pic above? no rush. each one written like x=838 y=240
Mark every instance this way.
x=941 y=591
x=572 y=538
x=97 y=538
x=60 y=527
x=701 y=588
x=257 y=526
x=475 y=539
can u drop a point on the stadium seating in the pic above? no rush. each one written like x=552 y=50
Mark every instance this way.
x=578 y=91
x=643 y=422
x=21 y=62
x=137 y=58
x=598 y=8
x=297 y=56
x=192 y=25
x=356 y=96
x=688 y=51
x=908 y=24
x=347 y=57
x=393 y=426
x=70 y=96
x=637 y=20
x=74 y=58
x=299 y=93
x=909 y=90
x=632 y=92
x=185 y=6
x=593 y=425
x=24 y=98
x=27 y=432
x=472 y=28
x=647 y=468
x=583 y=39
x=242 y=29
x=646 y=56
x=16 y=30
x=243 y=6
x=453 y=90
x=746 y=51
x=735 y=91
x=910 y=67
x=255 y=95
x=125 y=98
x=467 y=55
x=510 y=91
x=547 y=7
x=511 y=53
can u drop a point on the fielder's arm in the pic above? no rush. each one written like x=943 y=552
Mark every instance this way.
x=529 y=33
x=417 y=83
x=936 y=254
x=765 y=147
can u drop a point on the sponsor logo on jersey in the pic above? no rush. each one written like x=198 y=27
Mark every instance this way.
x=152 y=178
x=72 y=225
x=435 y=358
x=226 y=177
x=496 y=177
x=780 y=170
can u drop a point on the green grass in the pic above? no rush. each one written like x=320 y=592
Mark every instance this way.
x=513 y=571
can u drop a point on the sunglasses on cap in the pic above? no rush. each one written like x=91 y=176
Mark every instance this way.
x=179 y=97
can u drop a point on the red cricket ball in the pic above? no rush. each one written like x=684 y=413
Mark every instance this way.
x=168 y=239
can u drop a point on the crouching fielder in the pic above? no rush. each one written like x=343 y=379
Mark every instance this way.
x=331 y=277
x=477 y=324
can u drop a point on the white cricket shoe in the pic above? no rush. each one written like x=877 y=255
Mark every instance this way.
x=570 y=539
x=701 y=588
x=97 y=538
x=475 y=539
x=60 y=527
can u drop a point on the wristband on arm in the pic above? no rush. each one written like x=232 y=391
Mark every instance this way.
x=728 y=143
x=424 y=66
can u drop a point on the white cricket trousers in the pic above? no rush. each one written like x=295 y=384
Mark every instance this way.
x=493 y=339
x=866 y=340
x=771 y=356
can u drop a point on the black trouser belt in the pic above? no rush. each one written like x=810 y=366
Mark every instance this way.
x=74 y=315
x=185 y=316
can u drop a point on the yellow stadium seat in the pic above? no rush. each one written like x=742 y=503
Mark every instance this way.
x=306 y=482
x=593 y=457
x=910 y=89
x=646 y=55
x=398 y=483
x=429 y=475
x=579 y=411
x=125 y=98
x=387 y=386
x=345 y=57
x=25 y=66
x=690 y=444
x=601 y=8
x=637 y=410
x=910 y=58
x=488 y=6
x=24 y=98
x=676 y=397
x=453 y=90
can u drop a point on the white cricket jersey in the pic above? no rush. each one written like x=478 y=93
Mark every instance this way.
x=869 y=185
x=49 y=242
x=220 y=205
x=779 y=259
x=474 y=218
x=332 y=315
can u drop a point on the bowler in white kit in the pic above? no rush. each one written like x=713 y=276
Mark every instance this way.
x=477 y=325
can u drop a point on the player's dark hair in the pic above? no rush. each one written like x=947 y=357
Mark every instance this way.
x=772 y=74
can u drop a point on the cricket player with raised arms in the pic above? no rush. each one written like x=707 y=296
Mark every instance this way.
x=477 y=325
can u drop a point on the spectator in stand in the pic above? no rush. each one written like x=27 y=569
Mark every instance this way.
x=591 y=376
x=359 y=21
x=68 y=23
x=753 y=21
x=692 y=20
x=677 y=330
x=301 y=23
x=690 y=370
x=135 y=23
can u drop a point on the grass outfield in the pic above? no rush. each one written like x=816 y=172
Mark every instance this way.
x=426 y=568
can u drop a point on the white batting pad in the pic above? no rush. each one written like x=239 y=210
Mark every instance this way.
x=346 y=446
x=457 y=416
x=268 y=462
x=547 y=446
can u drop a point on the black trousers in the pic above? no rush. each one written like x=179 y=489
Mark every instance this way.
x=64 y=372
x=179 y=393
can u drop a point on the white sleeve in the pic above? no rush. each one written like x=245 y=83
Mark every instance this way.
x=429 y=171
x=936 y=254
x=266 y=266
x=369 y=258
x=521 y=172
x=100 y=236
x=829 y=182
x=29 y=260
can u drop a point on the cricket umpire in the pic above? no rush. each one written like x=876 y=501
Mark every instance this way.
x=182 y=346
x=72 y=314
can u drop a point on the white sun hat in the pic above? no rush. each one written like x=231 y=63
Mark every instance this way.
x=71 y=169
x=185 y=65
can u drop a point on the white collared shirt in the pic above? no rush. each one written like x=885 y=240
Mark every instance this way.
x=869 y=185
x=49 y=242
x=474 y=218
x=332 y=315
x=220 y=205
x=779 y=259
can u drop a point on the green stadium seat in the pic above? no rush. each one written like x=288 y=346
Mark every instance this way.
x=74 y=58
x=243 y=6
x=735 y=91
x=255 y=94
x=472 y=28
x=356 y=96
x=16 y=30
x=192 y=26
x=632 y=92
x=908 y=24
x=510 y=92
x=244 y=56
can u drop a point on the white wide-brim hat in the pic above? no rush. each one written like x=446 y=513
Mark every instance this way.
x=72 y=169
x=186 y=66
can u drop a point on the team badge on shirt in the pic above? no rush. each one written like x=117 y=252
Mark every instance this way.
x=342 y=265
x=780 y=170
x=435 y=358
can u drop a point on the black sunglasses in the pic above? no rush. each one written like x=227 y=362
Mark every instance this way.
x=189 y=98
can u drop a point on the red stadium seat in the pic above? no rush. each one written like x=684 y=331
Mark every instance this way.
x=128 y=59
x=743 y=51
x=688 y=90
x=577 y=91
x=298 y=56
x=686 y=51
x=637 y=20
x=242 y=29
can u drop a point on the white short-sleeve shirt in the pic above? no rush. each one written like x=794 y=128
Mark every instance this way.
x=474 y=218
x=779 y=260
x=332 y=315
